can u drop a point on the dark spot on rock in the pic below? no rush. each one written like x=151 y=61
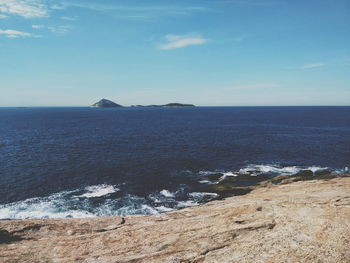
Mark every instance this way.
x=322 y=172
x=305 y=173
x=7 y=237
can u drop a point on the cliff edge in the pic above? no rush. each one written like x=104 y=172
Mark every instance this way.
x=304 y=221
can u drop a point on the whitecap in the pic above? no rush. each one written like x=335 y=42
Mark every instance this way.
x=259 y=169
x=187 y=203
x=167 y=193
x=205 y=182
x=163 y=209
x=99 y=190
x=201 y=195
x=316 y=168
x=46 y=207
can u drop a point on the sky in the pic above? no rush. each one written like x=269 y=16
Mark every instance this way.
x=205 y=52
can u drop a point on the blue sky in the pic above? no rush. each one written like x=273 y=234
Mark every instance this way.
x=206 y=52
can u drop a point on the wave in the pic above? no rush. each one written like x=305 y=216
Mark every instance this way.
x=112 y=200
x=96 y=201
x=99 y=190
x=266 y=170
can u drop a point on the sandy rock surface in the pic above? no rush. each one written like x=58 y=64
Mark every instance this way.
x=299 y=222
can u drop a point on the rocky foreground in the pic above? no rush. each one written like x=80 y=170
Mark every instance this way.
x=304 y=221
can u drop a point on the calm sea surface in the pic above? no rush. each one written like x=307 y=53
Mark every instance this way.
x=79 y=162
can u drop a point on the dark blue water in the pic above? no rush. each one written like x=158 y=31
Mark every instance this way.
x=57 y=162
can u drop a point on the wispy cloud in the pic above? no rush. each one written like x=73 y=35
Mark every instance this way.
x=3 y=16
x=313 y=65
x=57 y=7
x=24 y=8
x=110 y=7
x=59 y=30
x=181 y=41
x=10 y=33
x=132 y=11
x=37 y=26
x=261 y=3
x=68 y=18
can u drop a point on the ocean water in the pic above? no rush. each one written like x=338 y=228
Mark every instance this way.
x=83 y=162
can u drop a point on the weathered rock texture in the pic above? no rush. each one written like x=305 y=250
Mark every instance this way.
x=299 y=222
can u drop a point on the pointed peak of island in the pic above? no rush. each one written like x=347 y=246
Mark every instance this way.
x=104 y=103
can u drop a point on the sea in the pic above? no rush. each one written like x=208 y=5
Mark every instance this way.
x=86 y=162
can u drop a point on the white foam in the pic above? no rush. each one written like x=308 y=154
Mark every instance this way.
x=316 y=168
x=47 y=207
x=186 y=203
x=275 y=169
x=99 y=190
x=167 y=193
x=201 y=195
x=342 y=171
x=230 y=174
x=149 y=210
x=163 y=209
x=205 y=182
x=258 y=169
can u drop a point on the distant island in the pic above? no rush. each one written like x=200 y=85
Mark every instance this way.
x=104 y=103
x=174 y=105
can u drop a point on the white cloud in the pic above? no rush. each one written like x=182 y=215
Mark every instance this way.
x=37 y=26
x=24 y=8
x=68 y=18
x=181 y=41
x=3 y=16
x=313 y=65
x=60 y=30
x=57 y=7
x=10 y=33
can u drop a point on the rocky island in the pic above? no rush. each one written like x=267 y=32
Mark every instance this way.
x=169 y=105
x=104 y=103
x=299 y=220
x=178 y=105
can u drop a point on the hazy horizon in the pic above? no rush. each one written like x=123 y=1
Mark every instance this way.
x=203 y=52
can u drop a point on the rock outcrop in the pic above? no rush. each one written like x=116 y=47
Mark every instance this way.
x=106 y=104
x=303 y=221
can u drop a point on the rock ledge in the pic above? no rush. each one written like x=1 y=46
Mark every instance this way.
x=304 y=221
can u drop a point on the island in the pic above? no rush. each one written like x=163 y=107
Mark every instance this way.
x=178 y=105
x=169 y=105
x=104 y=103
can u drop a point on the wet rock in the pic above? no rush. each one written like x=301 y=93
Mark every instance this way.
x=228 y=189
x=305 y=174
x=214 y=176
x=323 y=172
x=6 y=237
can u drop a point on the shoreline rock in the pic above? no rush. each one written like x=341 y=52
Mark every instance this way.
x=300 y=221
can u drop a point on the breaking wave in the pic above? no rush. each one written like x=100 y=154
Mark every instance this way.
x=97 y=201
x=112 y=200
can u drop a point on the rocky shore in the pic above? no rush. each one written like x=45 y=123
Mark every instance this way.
x=298 y=221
